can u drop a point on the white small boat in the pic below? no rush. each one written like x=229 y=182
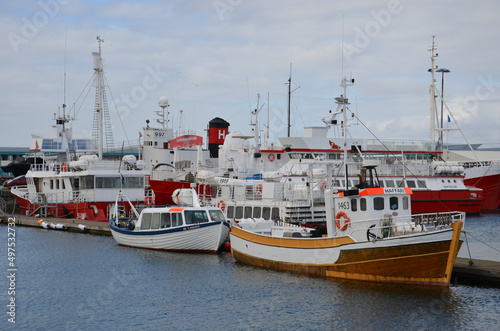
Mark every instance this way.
x=193 y=228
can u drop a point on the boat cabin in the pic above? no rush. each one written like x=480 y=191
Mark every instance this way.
x=369 y=206
x=172 y=217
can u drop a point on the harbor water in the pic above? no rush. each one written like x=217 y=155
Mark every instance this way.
x=69 y=281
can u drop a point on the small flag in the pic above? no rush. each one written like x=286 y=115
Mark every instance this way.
x=449 y=119
x=122 y=178
x=140 y=135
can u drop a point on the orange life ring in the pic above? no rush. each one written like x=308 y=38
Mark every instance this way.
x=258 y=190
x=148 y=200
x=64 y=168
x=221 y=205
x=346 y=222
x=271 y=157
x=323 y=186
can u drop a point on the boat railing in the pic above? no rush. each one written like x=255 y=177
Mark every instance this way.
x=474 y=164
x=57 y=167
x=394 y=226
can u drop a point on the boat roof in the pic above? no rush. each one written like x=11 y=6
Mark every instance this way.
x=177 y=209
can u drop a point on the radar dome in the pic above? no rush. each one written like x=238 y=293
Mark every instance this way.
x=163 y=102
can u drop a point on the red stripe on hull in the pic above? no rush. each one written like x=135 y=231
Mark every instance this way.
x=444 y=201
x=90 y=211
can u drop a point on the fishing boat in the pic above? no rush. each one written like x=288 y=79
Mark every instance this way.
x=184 y=228
x=371 y=235
x=74 y=180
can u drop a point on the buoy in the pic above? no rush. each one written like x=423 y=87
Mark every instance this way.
x=60 y=226
x=44 y=225
x=52 y=225
x=227 y=246
x=40 y=221
x=82 y=227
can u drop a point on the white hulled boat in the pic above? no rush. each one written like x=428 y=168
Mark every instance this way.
x=74 y=182
x=180 y=228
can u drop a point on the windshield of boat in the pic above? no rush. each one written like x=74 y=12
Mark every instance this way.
x=195 y=216
x=216 y=215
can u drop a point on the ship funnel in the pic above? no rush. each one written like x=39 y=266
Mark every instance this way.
x=217 y=132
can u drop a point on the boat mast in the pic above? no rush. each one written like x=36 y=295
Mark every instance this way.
x=289 y=97
x=256 y=135
x=99 y=110
x=345 y=103
x=64 y=120
x=432 y=93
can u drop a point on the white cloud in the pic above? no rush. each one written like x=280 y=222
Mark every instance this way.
x=215 y=62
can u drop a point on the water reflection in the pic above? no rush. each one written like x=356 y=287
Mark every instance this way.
x=90 y=282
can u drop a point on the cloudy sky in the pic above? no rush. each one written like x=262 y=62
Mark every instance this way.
x=211 y=58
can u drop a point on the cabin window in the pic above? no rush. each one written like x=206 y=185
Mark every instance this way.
x=216 y=215
x=411 y=183
x=57 y=184
x=248 y=212
x=176 y=219
x=146 y=221
x=51 y=184
x=195 y=216
x=406 y=204
x=257 y=212
x=63 y=184
x=421 y=184
x=134 y=182
x=389 y=183
x=354 y=205
x=336 y=183
x=400 y=183
x=394 y=203
x=362 y=204
x=165 y=220
x=86 y=182
x=155 y=221
x=378 y=203
x=275 y=214
x=239 y=212
x=230 y=211
x=355 y=182
x=214 y=190
x=266 y=213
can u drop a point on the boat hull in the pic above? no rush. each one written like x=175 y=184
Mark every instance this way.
x=425 y=259
x=199 y=238
x=164 y=189
x=90 y=211
x=490 y=184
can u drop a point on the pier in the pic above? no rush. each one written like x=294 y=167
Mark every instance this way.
x=70 y=225
x=477 y=272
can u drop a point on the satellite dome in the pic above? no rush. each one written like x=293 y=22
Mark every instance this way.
x=163 y=102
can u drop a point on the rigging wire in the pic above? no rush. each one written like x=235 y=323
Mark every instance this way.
x=392 y=153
